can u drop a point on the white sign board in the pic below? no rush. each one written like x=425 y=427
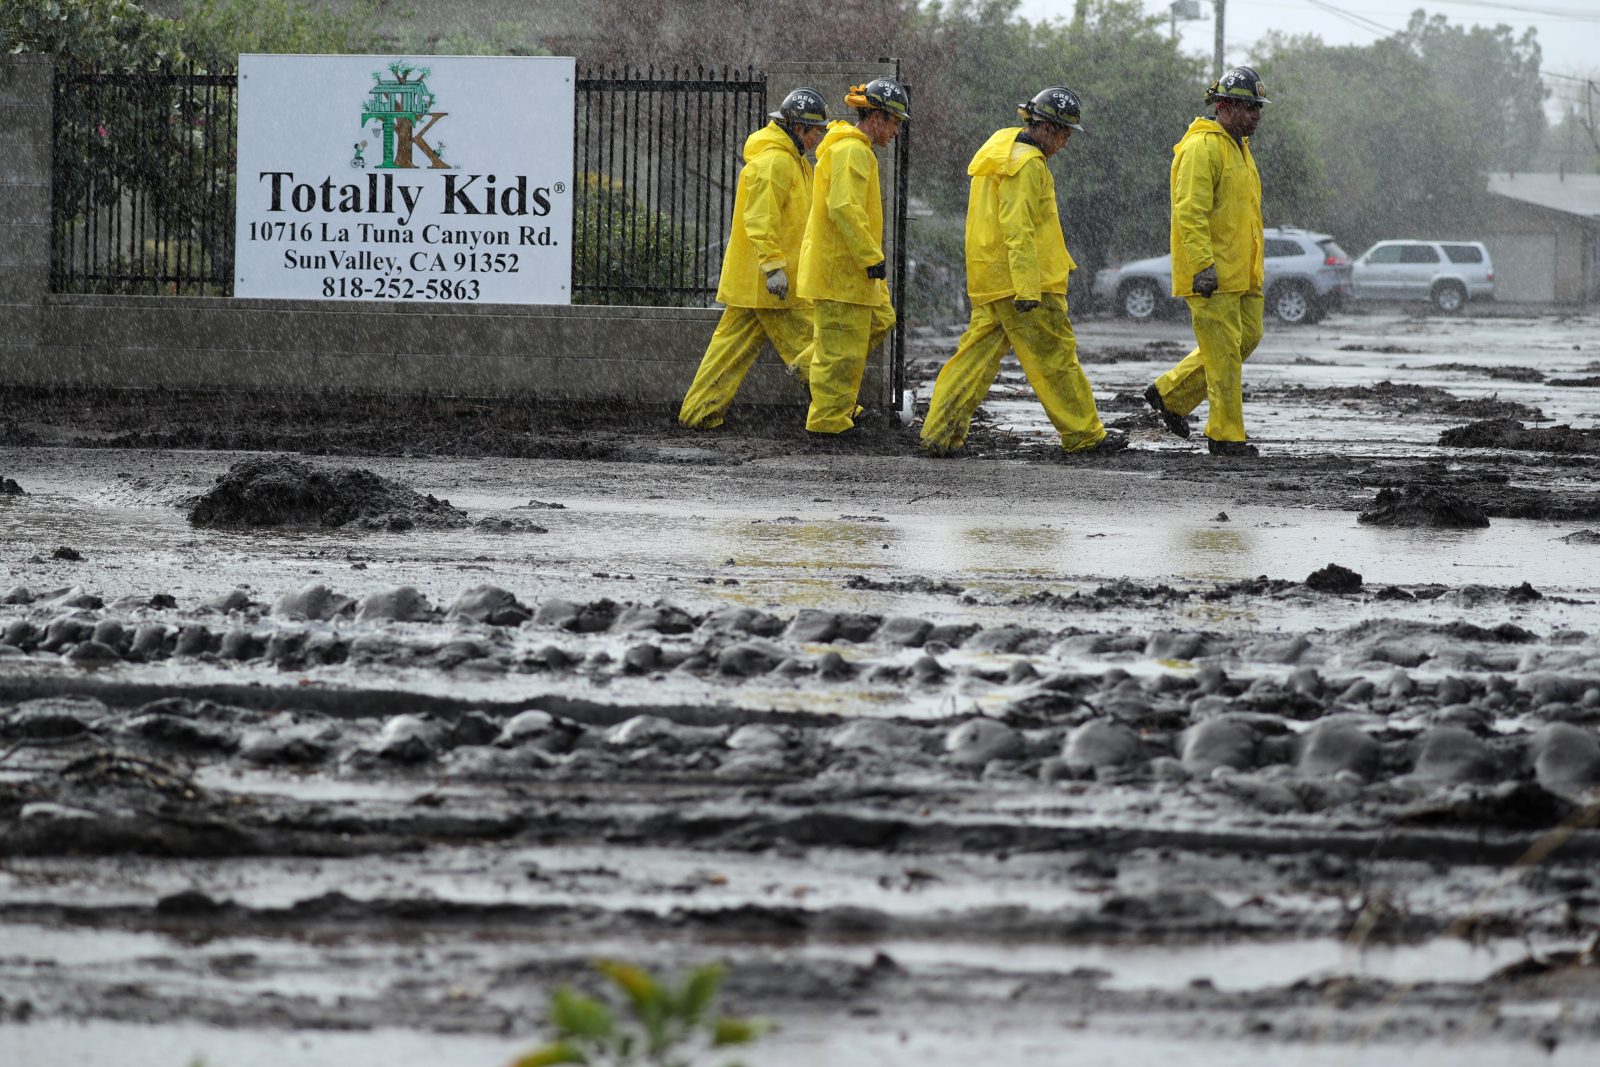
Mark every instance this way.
x=429 y=178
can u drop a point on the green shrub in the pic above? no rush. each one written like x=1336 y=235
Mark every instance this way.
x=666 y=1026
x=624 y=249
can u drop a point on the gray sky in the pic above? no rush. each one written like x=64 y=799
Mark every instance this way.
x=1569 y=30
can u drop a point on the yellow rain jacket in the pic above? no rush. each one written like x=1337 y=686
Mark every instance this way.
x=844 y=235
x=1216 y=211
x=769 y=219
x=1014 y=243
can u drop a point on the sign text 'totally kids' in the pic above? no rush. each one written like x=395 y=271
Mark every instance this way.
x=437 y=178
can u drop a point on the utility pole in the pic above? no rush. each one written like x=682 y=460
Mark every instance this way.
x=1220 y=5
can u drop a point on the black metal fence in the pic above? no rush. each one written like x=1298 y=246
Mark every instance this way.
x=143 y=168
x=656 y=160
x=144 y=184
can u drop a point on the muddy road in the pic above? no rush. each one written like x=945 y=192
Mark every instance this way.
x=341 y=733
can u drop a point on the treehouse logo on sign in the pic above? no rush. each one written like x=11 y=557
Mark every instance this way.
x=488 y=218
x=398 y=105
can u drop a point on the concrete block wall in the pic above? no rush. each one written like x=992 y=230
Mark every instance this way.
x=579 y=352
x=26 y=94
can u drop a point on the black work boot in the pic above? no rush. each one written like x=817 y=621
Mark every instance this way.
x=1111 y=442
x=1175 y=422
x=867 y=423
x=851 y=438
x=1239 y=449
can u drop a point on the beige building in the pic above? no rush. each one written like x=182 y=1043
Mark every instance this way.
x=1544 y=237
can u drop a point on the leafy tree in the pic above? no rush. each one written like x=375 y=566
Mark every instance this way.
x=1492 y=77
x=216 y=31
x=1400 y=157
x=668 y=1024
x=503 y=39
x=81 y=33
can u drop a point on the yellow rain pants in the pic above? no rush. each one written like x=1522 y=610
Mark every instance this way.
x=1048 y=352
x=845 y=334
x=1228 y=328
x=733 y=348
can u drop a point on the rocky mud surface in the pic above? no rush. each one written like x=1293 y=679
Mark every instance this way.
x=1020 y=759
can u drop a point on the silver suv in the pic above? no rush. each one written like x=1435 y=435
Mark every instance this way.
x=1449 y=273
x=1307 y=275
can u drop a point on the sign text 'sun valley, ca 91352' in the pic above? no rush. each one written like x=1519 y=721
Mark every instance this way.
x=438 y=178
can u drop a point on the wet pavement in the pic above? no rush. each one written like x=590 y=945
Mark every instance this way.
x=1011 y=758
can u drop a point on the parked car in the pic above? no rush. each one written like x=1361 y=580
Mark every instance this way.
x=1307 y=275
x=1449 y=273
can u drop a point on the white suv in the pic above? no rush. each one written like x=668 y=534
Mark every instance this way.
x=1307 y=275
x=1449 y=273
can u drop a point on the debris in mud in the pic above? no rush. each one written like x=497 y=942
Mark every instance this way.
x=71 y=555
x=1387 y=350
x=1509 y=433
x=314 y=601
x=1488 y=491
x=489 y=604
x=1511 y=374
x=1582 y=537
x=490 y=524
x=534 y=505
x=1137 y=421
x=278 y=491
x=1575 y=383
x=1119 y=593
x=9 y=487
x=918 y=583
x=1125 y=402
x=1258 y=586
x=1153 y=351
x=1334 y=579
x=1405 y=399
x=1512 y=805
x=1421 y=505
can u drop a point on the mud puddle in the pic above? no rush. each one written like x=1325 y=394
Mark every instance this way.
x=1316 y=390
x=880 y=1040
x=1074 y=769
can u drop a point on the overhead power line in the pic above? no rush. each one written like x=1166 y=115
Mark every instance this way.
x=1552 y=12
x=1354 y=19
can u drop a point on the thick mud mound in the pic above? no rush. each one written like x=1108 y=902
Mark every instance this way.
x=278 y=491
x=1404 y=399
x=1422 y=505
x=1508 y=433
x=1512 y=374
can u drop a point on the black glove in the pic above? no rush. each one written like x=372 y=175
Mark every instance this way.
x=879 y=269
x=1205 y=283
x=1024 y=306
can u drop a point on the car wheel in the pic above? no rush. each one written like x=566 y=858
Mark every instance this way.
x=1294 y=305
x=1139 y=300
x=1449 y=297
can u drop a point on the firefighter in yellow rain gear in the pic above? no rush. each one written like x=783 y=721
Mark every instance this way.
x=842 y=266
x=1017 y=268
x=1217 y=263
x=769 y=218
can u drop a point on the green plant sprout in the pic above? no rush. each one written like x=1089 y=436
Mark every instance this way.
x=668 y=1026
